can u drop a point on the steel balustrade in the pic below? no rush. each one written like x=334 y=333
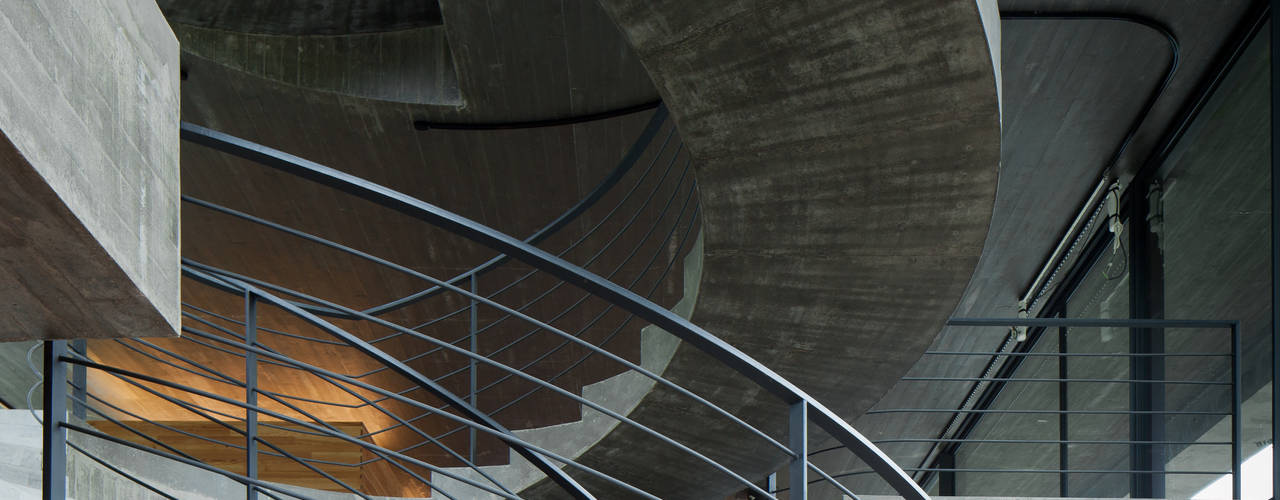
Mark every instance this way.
x=1231 y=356
x=406 y=397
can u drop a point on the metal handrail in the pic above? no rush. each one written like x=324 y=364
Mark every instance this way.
x=293 y=418
x=633 y=154
x=599 y=287
x=1232 y=382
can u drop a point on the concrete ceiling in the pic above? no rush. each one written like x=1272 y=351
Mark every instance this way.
x=1072 y=90
x=848 y=154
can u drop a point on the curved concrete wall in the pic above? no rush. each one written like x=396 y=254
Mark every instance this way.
x=847 y=162
x=411 y=66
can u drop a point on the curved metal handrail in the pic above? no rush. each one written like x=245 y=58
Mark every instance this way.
x=633 y=155
x=555 y=266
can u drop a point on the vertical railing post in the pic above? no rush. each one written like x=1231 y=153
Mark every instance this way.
x=946 y=465
x=54 y=468
x=798 y=441
x=471 y=393
x=1063 y=404
x=79 y=381
x=1275 y=246
x=251 y=393
x=1237 y=435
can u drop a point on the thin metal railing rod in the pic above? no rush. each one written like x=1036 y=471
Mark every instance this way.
x=546 y=327
x=192 y=462
x=1059 y=380
x=234 y=321
x=1040 y=441
x=409 y=401
x=469 y=463
x=618 y=267
x=202 y=333
x=277 y=415
x=139 y=433
x=599 y=316
x=304 y=431
x=1044 y=471
x=633 y=154
x=198 y=409
x=666 y=320
x=213 y=375
x=559 y=284
x=533 y=331
x=120 y=472
x=1091 y=322
x=830 y=480
x=220 y=329
x=1049 y=412
x=385 y=263
x=1084 y=354
x=608 y=245
x=284 y=304
x=635 y=215
x=141 y=419
x=305 y=236
x=518 y=373
x=317 y=470
x=611 y=335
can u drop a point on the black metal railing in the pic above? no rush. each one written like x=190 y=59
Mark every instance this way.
x=439 y=378
x=944 y=462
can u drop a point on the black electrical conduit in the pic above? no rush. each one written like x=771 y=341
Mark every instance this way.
x=625 y=299
x=552 y=122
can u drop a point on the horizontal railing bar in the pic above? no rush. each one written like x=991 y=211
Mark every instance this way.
x=1084 y=354
x=280 y=416
x=120 y=472
x=664 y=319
x=420 y=405
x=633 y=154
x=1048 y=412
x=194 y=463
x=827 y=477
x=1060 y=380
x=1048 y=471
x=337 y=332
x=1040 y=441
x=262 y=328
x=541 y=324
x=1093 y=322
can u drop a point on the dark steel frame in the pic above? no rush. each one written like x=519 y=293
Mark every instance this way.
x=804 y=411
x=555 y=266
x=1154 y=325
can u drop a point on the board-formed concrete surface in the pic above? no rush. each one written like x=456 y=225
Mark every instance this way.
x=847 y=163
x=89 y=169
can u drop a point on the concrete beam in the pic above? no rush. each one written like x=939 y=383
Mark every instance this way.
x=88 y=170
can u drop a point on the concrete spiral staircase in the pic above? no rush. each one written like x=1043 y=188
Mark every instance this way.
x=846 y=154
